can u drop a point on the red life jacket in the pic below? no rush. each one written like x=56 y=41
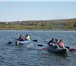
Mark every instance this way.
x=61 y=44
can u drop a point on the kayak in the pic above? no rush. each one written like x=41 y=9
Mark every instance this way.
x=57 y=50
x=23 y=42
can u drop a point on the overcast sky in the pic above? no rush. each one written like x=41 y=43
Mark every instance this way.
x=13 y=10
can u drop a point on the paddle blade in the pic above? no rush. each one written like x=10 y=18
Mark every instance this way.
x=73 y=49
x=67 y=47
x=45 y=49
x=40 y=45
x=35 y=40
x=9 y=42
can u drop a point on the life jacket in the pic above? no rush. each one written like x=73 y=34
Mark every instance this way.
x=61 y=44
x=27 y=38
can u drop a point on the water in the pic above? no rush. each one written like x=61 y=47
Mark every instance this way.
x=12 y=55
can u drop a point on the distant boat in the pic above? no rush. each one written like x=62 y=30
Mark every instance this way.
x=56 y=50
x=23 y=42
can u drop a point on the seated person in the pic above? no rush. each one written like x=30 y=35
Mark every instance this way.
x=61 y=44
x=56 y=41
x=27 y=37
x=20 y=38
x=51 y=42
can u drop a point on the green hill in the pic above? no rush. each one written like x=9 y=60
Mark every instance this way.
x=62 y=24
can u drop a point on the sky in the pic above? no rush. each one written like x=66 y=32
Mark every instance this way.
x=40 y=0
x=20 y=10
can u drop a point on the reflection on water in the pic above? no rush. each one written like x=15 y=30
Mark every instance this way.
x=33 y=54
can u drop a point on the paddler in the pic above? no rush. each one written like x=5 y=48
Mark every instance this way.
x=27 y=37
x=50 y=43
x=20 y=38
x=61 y=44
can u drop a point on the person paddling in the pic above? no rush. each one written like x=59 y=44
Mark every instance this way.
x=61 y=44
x=20 y=38
x=56 y=41
x=51 y=42
x=27 y=37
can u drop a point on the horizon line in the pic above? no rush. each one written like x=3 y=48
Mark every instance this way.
x=38 y=20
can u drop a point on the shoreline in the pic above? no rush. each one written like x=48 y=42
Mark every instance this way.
x=59 y=25
x=32 y=30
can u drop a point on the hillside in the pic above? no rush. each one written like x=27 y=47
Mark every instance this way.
x=62 y=24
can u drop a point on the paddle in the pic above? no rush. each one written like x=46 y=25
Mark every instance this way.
x=67 y=47
x=45 y=49
x=35 y=40
x=70 y=49
x=73 y=49
x=9 y=42
x=39 y=45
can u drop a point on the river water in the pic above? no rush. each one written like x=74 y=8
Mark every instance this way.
x=34 y=55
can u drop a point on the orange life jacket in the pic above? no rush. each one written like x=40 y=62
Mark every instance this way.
x=61 y=44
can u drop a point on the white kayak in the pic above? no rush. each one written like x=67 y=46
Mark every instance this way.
x=23 y=42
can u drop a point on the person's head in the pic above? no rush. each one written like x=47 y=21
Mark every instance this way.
x=52 y=39
x=56 y=39
x=27 y=35
x=20 y=35
x=60 y=40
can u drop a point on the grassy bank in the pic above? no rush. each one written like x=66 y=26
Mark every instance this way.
x=64 y=24
x=18 y=27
